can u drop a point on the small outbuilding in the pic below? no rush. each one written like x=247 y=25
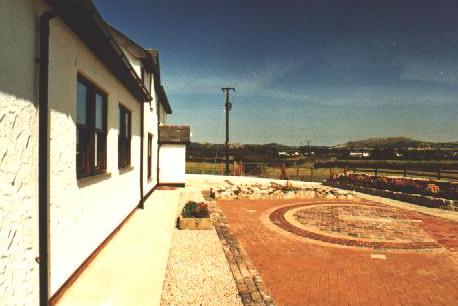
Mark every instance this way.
x=172 y=154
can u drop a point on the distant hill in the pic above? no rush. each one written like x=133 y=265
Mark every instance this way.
x=393 y=142
x=270 y=151
x=382 y=142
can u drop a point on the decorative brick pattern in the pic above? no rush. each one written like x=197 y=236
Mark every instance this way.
x=249 y=283
x=351 y=225
x=299 y=272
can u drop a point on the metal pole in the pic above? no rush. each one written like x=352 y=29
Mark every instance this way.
x=228 y=106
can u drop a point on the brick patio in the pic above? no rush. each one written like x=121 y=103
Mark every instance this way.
x=301 y=270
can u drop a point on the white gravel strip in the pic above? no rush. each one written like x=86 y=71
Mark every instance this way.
x=198 y=272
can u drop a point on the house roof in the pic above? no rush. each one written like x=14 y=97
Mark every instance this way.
x=174 y=134
x=149 y=57
x=164 y=100
x=85 y=21
x=151 y=62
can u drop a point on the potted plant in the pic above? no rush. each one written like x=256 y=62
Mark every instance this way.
x=195 y=216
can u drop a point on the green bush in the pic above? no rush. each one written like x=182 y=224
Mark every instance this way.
x=195 y=210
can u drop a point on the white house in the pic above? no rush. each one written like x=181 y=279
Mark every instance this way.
x=80 y=109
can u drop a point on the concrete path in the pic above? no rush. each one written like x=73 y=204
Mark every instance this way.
x=130 y=269
x=198 y=272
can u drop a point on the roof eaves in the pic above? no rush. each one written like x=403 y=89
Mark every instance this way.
x=164 y=100
x=85 y=21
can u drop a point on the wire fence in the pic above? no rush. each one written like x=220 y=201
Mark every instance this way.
x=270 y=169
x=316 y=172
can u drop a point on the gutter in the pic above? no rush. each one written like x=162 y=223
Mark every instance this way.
x=43 y=158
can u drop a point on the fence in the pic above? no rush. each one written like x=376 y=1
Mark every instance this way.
x=275 y=169
x=446 y=171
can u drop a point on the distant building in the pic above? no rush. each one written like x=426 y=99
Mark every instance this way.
x=359 y=155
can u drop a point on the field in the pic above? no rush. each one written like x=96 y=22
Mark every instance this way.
x=304 y=172
x=309 y=171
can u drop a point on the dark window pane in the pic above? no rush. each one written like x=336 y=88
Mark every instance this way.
x=127 y=125
x=82 y=151
x=81 y=97
x=91 y=135
x=98 y=112
x=124 y=138
x=99 y=147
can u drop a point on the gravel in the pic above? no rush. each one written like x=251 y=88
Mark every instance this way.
x=198 y=272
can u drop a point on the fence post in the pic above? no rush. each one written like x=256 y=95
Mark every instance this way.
x=376 y=171
x=438 y=173
x=297 y=171
x=311 y=174
x=405 y=171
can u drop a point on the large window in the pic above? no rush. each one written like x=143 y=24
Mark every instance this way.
x=91 y=129
x=124 y=137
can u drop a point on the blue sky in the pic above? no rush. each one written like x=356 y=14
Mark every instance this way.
x=325 y=71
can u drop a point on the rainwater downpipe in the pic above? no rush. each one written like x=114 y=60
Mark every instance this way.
x=43 y=158
x=158 y=141
x=142 y=127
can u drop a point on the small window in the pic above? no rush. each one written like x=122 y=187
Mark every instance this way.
x=124 y=137
x=91 y=136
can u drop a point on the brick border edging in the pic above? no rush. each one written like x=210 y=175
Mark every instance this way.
x=248 y=281
x=427 y=201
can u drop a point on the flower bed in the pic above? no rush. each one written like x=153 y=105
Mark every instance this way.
x=195 y=216
x=431 y=193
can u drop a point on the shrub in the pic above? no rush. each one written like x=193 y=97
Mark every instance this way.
x=195 y=210
x=400 y=184
x=433 y=189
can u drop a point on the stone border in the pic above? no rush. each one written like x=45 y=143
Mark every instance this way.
x=277 y=217
x=418 y=199
x=249 y=283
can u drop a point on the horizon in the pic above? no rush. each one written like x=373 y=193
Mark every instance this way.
x=332 y=145
x=324 y=71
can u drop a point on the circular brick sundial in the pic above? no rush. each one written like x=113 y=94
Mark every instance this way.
x=355 y=225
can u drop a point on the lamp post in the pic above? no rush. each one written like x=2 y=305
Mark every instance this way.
x=228 y=106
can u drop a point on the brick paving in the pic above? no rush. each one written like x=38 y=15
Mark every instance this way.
x=248 y=281
x=300 y=271
x=360 y=225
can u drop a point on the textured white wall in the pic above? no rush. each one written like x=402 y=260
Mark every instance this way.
x=172 y=163
x=18 y=154
x=82 y=217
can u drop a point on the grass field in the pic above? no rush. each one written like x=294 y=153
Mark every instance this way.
x=303 y=172
x=307 y=172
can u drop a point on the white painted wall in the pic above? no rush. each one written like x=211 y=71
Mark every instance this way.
x=150 y=123
x=172 y=163
x=82 y=217
x=18 y=154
